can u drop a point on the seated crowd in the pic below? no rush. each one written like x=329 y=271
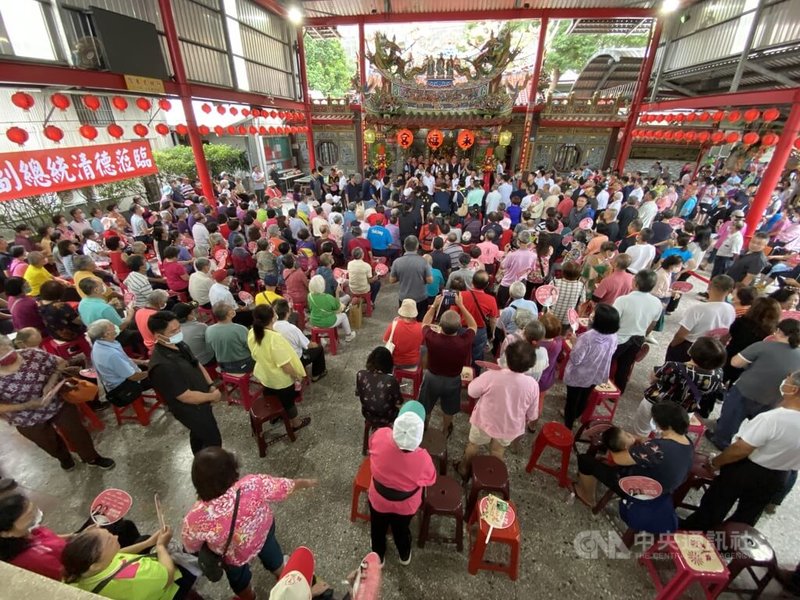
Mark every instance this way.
x=503 y=289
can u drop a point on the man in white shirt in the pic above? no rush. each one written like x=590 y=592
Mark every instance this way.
x=141 y=231
x=637 y=192
x=360 y=276
x=702 y=318
x=429 y=181
x=200 y=233
x=648 y=209
x=505 y=189
x=616 y=203
x=259 y=182
x=638 y=313
x=602 y=199
x=309 y=352
x=219 y=292
x=493 y=199
x=755 y=466
x=642 y=253
x=200 y=282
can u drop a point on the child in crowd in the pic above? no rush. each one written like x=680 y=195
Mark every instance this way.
x=616 y=439
x=689 y=384
x=589 y=361
x=665 y=275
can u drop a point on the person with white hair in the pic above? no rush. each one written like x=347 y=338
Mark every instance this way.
x=518 y=302
x=120 y=375
x=327 y=310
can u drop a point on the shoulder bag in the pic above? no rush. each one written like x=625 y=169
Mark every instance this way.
x=125 y=563
x=389 y=345
x=212 y=564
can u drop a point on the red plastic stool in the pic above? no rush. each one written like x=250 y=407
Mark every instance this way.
x=317 y=333
x=745 y=548
x=416 y=381
x=141 y=411
x=367 y=299
x=557 y=436
x=93 y=421
x=368 y=429
x=489 y=474
x=604 y=397
x=510 y=536
x=435 y=443
x=566 y=349
x=232 y=382
x=696 y=560
x=443 y=498
x=360 y=486
x=300 y=309
x=700 y=476
x=591 y=433
x=696 y=428
x=68 y=350
x=263 y=410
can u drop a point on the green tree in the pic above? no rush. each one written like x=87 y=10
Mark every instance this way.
x=179 y=160
x=328 y=68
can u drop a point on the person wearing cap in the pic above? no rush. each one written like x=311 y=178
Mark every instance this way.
x=297 y=580
x=269 y=296
x=405 y=333
x=218 y=483
x=400 y=469
x=194 y=332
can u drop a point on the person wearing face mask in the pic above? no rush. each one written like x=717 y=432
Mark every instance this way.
x=756 y=466
x=183 y=382
x=29 y=401
x=122 y=377
x=26 y=544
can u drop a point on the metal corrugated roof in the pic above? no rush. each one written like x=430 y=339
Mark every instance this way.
x=608 y=68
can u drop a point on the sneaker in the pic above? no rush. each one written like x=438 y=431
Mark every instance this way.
x=651 y=340
x=103 y=463
x=350 y=336
x=407 y=561
x=68 y=466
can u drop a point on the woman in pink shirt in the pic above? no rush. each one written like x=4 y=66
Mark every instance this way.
x=400 y=469
x=296 y=281
x=508 y=400
x=215 y=475
x=173 y=271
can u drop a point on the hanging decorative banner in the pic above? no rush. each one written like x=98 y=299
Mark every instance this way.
x=56 y=169
x=435 y=138
x=405 y=137
x=465 y=139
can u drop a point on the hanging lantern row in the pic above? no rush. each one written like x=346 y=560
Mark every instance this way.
x=61 y=101
x=255 y=112
x=716 y=137
x=465 y=139
x=733 y=116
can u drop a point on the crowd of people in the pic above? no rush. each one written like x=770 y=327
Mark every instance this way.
x=501 y=284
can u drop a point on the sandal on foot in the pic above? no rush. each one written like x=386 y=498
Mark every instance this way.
x=303 y=423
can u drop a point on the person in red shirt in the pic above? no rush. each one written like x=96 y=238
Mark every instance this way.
x=173 y=271
x=616 y=284
x=483 y=309
x=565 y=207
x=117 y=258
x=363 y=243
x=405 y=333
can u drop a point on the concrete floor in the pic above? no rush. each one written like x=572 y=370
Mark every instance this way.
x=158 y=459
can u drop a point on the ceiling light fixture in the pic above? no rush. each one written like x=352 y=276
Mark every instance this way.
x=295 y=15
x=669 y=6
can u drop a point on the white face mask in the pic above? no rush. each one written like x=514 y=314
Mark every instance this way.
x=37 y=519
x=655 y=427
x=781 y=389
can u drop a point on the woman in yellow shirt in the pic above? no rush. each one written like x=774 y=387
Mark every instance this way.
x=278 y=367
x=36 y=274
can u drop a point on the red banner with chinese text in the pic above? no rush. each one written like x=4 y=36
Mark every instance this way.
x=41 y=171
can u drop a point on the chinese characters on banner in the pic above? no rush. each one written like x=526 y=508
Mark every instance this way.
x=56 y=169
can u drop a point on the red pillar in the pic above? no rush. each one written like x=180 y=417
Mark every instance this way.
x=301 y=57
x=772 y=173
x=537 y=73
x=179 y=70
x=641 y=90
x=362 y=79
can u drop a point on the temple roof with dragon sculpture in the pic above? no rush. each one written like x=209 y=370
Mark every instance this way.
x=441 y=91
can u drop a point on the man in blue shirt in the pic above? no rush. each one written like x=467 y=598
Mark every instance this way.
x=380 y=239
x=113 y=365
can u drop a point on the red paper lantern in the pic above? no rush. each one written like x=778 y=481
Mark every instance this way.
x=91 y=102
x=734 y=116
x=679 y=135
x=703 y=136
x=718 y=115
x=164 y=104
x=144 y=104
x=242 y=130
x=221 y=109
x=233 y=110
x=750 y=138
x=256 y=113
x=140 y=130
x=434 y=138
x=115 y=131
x=704 y=116
x=272 y=131
x=668 y=135
x=119 y=103
x=282 y=114
x=60 y=101
x=691 y=117
x=681 y=118
x=262 y=130
x=231 y=130
x=181 y=129
x=670 y=118
x=732 y=137
x=53 y=133
x=690 y=136
x=23 y=100
x=769 y=139
x=219 y=130
x=771 y=114
x=88 y=131
x=797 y=144
x=717 y=137
x=751 y=115
x=17 y=135
x=162 y=129
x=204 y=130
x=252 y=130
x=659 y=134
x=245 y=112
x=206 y=108
x=273 y=114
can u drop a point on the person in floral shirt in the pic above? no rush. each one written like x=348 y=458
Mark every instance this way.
x=378 y=390
x=215 y=475
x=29 y=401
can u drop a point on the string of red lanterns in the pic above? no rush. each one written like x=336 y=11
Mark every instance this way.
x=749 y=138
x=734 y=116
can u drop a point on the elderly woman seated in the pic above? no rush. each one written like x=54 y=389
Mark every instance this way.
x=121 y=376
x=327 y=310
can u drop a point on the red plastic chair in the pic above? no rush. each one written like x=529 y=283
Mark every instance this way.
x=206 y=315
x=510 y=536
x=557 y=436
x=360 y=486
x=141 y=412
x=317 y=333
x=604 y=398
x=367 y=298
x=233 y=382
x=300 y=309
x=67 y=350
x=416 y=380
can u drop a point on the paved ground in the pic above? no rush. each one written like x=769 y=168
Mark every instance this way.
x=158 y=459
